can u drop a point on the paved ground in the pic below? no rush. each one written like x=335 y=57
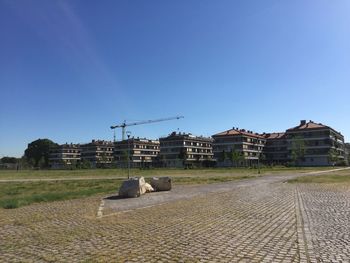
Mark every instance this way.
x=326 y=212
x=257 y=220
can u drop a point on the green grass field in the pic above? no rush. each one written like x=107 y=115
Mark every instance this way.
x=17 y=194
x=338 y=177
x=13 y=195
x=56 y=174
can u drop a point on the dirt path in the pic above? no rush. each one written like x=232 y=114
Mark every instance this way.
x=113 y=204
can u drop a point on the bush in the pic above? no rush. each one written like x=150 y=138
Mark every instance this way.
x=341 y=163
x=9 y=204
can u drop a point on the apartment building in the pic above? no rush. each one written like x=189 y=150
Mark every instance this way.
x=275 y=150
x=322 y=145
x=142 y=152
x=64 y=155
x=237 y=147
x=185 y=150
x=347 y=153
x=97 y=153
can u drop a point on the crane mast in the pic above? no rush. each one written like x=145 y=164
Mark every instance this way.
x=124 y=124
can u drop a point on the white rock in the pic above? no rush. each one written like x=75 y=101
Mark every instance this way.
x=148 y=188
x=142 y=185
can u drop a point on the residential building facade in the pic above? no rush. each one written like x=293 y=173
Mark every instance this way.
x=97 y=153
x=143 y=153
x=347 y=153
x=185 y=150
x=308 y=144
x=321 y=145
x=64 y=155
x=237 y=147
x=275 y=150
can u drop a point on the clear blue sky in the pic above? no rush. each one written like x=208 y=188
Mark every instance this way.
x=70 y=69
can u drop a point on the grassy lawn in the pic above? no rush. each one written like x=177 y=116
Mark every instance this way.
x=55 y=174
x=13 y=195
x=17 y=194
x=338 y=177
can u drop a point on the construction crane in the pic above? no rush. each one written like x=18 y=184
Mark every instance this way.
x=124 y=124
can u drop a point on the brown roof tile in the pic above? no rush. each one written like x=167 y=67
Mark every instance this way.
x=274 y=135
x=234 y=132
x=308 y=125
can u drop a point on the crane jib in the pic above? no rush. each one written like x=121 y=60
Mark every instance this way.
x=123 y=125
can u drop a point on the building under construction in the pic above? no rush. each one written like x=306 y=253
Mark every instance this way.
x=97 y=153
x=308 y=144
x=142 y=153
x=321 y=146
x=238 y=147
x=65 y=155
x=185 y=150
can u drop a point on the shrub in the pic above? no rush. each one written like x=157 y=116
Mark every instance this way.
x=9 y=204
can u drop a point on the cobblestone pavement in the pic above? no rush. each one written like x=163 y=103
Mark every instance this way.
x=260 y=220
x=327 y=221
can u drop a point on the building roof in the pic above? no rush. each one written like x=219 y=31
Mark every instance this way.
x=308 y=125
x=274 y=135
x=65 y=146
x=98 y=143
x=311 y=126
x=73 y=145
x=182 y=136
x=236 y=131
x=138 y=140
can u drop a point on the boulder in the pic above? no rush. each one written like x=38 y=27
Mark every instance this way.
x=161 y=183
x=133 y=187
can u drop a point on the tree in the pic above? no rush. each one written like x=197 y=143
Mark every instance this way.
x=183 y=156
x=85 y=164
x=7 y=159
x=333 y=156
x=298 y=149
x=23 y=163
x=198 y=160
x=232 y=157
x=223 y=156
x=73 y=164
x=103 y=160
x=124 y=158
x=38 y=152
x=235 y=157
x=159 y=161
x=163 y=160
x=262 y=157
